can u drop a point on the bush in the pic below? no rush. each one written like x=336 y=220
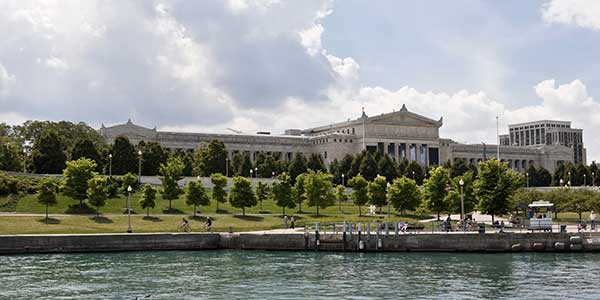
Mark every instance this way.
x=8 y=185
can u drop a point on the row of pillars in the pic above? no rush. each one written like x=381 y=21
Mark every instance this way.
x=349 y=230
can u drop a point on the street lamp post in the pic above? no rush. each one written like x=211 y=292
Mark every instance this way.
x=227 y=167
x=343 y=180
x=413 y=175
x=388 y=200
x=251 y=171
x=255 y=172
x=584 y=180
x=569 y=182
x=139 y=167
x=561 y=182
x=273 y=174
x=24 y=160
x=527 y=178
x=461 y=182
x=110 y=165
x=129 y=189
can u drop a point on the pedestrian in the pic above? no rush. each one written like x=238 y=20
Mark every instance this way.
x=501 y=226
x=593 y=220
x=293 y=221
x=208 y=224
x=285 y=222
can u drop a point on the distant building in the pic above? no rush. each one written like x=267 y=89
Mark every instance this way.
x=400 y=134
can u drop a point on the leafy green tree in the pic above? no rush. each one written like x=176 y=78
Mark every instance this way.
x=356 y=162
x=241 y=194
x=297 y=167
x=401 y=168
x=47 y=193
x=68 y=133
x=96 y=193
x=148 y=199
x=453 y=196
x=561 y=198
x=544 y=177
x=48 y=155
x=11 y=155
x=345 y=166
x=262 y=193
x=170 y=175
x=124 y=156
x=129 y=180
x=152 y=156
x=219 y=182
x=196 y=195
x=532 y=176
x=459 y=168
x=415 y=171
x=340 y=195
x=559 y=174
x=210 y=158
x=298 y=192
x=368 y=167
x=318 y=190
x=495 y=185
x=267 y=167
x=387 y=168
x=246 y=166
x=580 y=202
x=377 y=190
x=435 y=190
x=85 y=148
x=236 y=164
x=360 y=195
x=76 y=177
x=282 y=193
x=315 y=163
x=404 y=194
x=333 y=170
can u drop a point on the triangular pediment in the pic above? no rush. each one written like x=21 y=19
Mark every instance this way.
x=404 y=118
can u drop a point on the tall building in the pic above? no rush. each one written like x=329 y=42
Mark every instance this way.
x=400 y=134
x=547 y=132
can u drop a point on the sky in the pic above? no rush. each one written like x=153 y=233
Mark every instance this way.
x=269 y=65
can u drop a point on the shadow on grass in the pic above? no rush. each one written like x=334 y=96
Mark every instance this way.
x=101 y=219
x=199 y=218
x=221 y=211
x=173 y=211
x=80 y=209
x=152 y=219
x=49 y=221
x=249 y=218
x=265 y=212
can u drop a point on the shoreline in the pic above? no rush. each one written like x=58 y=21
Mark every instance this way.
x=356 y=242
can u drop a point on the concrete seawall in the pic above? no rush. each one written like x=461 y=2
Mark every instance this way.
x=508 y=242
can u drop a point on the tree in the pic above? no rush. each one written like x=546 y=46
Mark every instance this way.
x=454 y=194
x=246 y=166
x=148 y=198
x=544 y=177
x=315 y=163
x=402 y=165
x=96 y=193
x=196 y=195
x=282 y=193
x=580 y=201
x=360 y=194
x=368 y=167
x=236 y=164
x=458 y=168
x=345 y=166
x=355 y=166
x=333 y=169
x=532 y=176
x=415 y=171
x=298 y=193
x=85 y=148
x=387 y=168
x=124 y=157
x=559 y=174
x=435 y=190
x=267 y=167
x=76 y=177
x=318 y=190
x=129 y=180
x=495 y=185
x=11 y=155
x=241 y=194
x=170 y=175
x=219 y=182
x=47 y=193
x=48 y=156
x=262 y=193
x=404 y=194
x=210 y=158
x=519 y=201
x=340 y=195
x=377 y=190
x=153 y=155
x=297 y=166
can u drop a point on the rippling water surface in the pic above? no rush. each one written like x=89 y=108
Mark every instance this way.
x=294 y=275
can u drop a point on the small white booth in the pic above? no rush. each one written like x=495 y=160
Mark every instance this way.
x=540 y=215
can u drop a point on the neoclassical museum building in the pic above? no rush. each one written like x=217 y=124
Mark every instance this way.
x=401 y=134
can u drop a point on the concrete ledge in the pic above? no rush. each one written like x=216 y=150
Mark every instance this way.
x=507 y=242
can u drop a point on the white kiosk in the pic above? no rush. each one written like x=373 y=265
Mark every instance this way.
x=540 y=215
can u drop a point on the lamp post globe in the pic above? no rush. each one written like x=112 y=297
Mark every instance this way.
x=110 y=165
x=343 y=179
x=388 y=200
x=129 y=189
x=251 y=171
x=139 y=167
x=461 y=182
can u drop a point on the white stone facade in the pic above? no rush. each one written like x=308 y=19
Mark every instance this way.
x=400 y=134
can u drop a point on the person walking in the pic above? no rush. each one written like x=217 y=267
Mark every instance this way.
x=208 y=224
x=292 y=222
x=592 y=220
x=285 y=222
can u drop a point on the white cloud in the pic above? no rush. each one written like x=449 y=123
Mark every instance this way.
x=583 y=13
x=6 y=81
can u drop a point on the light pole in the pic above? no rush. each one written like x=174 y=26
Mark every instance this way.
x=461 y=182
x=569 y=182
x=343 y=180
x=584 y=180
x=227 y=167
x=251 y=171
x=129 y=189
x=388 y=198
x=110 y=165
x=413 y=174
x=561 y=182
x=527 y=178
x=139 y=167
x=273 y=174
x=255 y=172
x=24 y=160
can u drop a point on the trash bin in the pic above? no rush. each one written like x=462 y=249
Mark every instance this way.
x=563 y=228
x=481 y=228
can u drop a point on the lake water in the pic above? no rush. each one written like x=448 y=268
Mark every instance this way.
x=299 y=275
